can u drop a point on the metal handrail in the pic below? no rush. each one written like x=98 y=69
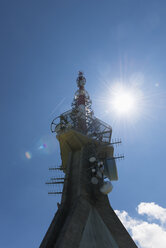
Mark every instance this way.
x=93 y=127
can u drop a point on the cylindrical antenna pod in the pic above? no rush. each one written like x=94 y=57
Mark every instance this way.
x=110 y=169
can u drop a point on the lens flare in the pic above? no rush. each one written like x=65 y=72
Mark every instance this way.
x=46 y=144
x=28 y=155
x=42 y=146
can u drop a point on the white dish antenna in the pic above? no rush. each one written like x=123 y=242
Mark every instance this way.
x=106 y=188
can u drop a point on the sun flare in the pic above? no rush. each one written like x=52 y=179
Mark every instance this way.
x=123 y=101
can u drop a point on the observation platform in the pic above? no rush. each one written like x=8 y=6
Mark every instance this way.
x=75 y=130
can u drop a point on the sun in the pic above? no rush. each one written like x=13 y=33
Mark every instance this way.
x=123 y=101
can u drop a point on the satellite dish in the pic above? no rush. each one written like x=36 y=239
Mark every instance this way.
x=100 y=163
x=94 y=180
x=106 y=188
x=99 y=174
x=110 y=169
x=92 y=159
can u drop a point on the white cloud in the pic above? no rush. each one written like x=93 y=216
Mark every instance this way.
x=153 y=211
x=145 y=233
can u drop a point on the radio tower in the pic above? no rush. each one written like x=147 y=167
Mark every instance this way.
x=84 y=218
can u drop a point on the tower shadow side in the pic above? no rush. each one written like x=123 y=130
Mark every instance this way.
x=84 y=218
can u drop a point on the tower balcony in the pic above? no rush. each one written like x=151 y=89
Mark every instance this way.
x=87 y=125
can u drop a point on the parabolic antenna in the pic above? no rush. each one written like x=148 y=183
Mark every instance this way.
x=94 y=180
x=106 y=188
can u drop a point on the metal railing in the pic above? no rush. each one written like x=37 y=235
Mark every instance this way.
x=85 y=124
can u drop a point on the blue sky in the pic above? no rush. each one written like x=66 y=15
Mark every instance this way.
x=43 y=45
